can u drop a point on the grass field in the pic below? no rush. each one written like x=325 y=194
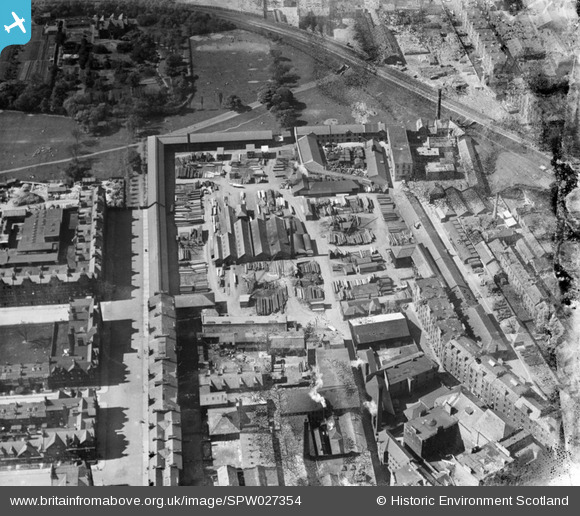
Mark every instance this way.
x=234 y=63
x=30 y=139
x=27 y=139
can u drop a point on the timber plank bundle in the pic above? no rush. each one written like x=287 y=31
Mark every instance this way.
x=309 y=293
x=272 y=300
x=188 y=205
x=257 y=266
x=309 y=267
x=364 y=237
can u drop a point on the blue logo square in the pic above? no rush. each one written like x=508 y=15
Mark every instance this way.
x=15 y=22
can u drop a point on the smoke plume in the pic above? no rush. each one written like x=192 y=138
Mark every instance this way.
x=316 y=385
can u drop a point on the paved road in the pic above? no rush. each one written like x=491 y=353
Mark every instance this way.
x=40 y=314
x=122 y=429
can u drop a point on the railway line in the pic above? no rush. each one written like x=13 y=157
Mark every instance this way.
x=482 y=123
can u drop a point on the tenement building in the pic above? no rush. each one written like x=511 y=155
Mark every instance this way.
x=50 y=255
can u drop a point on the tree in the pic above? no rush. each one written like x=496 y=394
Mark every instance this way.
x=365 y=39
x=133 y=79
x=265 y=95
x=75 y=147
x=286 y=118
x=101 y=49
x=124 y=47
x=30 y=99
x=77 y=170
x=173 y=64
x=283 y=95
x=84 y=53
x=135 y=161
x=182 y=88
x=308 y=22
x=9 y=92
x=276 y=54
x=134 y=124
x=144 y=49
x=91 y=117
x=234 y=103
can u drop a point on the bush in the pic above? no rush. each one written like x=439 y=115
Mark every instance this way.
x=76 y=170
x=234 y=103
x=124 y=47
x=101 y=49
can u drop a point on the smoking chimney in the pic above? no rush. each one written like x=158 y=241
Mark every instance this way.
x=495 y=206
x=439 y=93
x=71 y=340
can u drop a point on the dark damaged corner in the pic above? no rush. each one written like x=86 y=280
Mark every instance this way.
x=566 y=197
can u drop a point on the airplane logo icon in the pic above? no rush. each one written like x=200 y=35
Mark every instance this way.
x=18 y=22
x=19 y=14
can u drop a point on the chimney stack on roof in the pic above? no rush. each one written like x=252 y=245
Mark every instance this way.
x=71 y=340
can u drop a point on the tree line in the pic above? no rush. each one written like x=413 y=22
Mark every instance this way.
x=92 y=100
x=277 y=95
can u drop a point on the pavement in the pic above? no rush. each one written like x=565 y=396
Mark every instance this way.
x=40 y=314
x=122 y=431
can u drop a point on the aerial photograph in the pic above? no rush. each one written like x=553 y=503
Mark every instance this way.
x=290 y=243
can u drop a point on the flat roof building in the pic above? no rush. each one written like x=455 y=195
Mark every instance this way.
x=401 y=161
x=433 y=435
x=385 y=330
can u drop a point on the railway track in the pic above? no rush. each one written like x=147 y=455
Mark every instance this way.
x=394 y=77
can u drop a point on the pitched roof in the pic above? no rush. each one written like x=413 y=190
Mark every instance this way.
x=223 y=421
x=309 y=151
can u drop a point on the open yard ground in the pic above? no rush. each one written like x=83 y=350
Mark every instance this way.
x=360 y=97
x=509 y=164
x=26 y=343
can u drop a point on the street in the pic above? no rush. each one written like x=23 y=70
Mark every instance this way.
x=122 y=431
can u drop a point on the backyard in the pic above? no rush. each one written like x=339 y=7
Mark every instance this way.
x=30 y=343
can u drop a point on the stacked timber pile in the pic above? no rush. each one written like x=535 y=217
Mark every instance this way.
x=188 y=206
x=270 y=300
x=361 y=237
x=193 y=277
